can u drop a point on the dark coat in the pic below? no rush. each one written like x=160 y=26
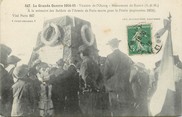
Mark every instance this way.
x=65 y=91
x=72 y=87
x=72 y=80
x=116 y=74
x=140 y=86
x=91 y=102
x=23 y=98
x=5 y=92
x=58 y=91
x=91 y=74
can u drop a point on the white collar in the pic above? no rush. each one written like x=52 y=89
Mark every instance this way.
x=2 y=65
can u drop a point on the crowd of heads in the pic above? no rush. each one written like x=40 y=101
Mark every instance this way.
x=42 y=72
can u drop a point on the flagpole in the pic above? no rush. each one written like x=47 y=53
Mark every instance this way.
x=165 y=77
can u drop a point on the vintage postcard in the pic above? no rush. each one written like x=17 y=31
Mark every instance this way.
x=91 y=58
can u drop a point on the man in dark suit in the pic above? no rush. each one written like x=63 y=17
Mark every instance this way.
x=71 y=77
x=65 y=90
x=5 y=82
x=89 y=70
x=58 y=88
x=116 y=76
x=92 y=84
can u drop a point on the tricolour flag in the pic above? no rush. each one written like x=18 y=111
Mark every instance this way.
x=166 y=76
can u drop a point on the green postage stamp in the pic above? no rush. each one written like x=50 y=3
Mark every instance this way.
x=139 y=39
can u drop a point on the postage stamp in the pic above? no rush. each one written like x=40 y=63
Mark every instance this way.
x=139 y=39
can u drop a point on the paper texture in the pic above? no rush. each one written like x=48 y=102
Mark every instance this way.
x=23 y=23
x=15 y=16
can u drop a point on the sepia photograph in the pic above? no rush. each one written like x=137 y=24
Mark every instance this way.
x=107 y=58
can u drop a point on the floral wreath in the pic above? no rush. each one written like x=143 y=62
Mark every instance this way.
x=83 y=35
x=53 y=39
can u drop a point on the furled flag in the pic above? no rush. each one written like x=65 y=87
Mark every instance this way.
x=166 y=75
x=158 y=35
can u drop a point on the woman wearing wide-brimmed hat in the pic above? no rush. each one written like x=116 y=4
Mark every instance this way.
x=23 y=95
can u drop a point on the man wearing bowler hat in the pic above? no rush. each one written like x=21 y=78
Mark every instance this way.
x=5 y=82
x=116 y=76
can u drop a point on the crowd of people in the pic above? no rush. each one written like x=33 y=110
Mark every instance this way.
x=119 y=87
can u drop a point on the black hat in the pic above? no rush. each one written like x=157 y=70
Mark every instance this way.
x=60 y=61
x=113 y=41
x=13 y=59
x=5 y=50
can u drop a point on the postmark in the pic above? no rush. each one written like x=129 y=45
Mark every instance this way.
x=139 y=39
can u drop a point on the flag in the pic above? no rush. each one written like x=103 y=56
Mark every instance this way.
x=158 y=43
x=166 y=75
x=159 y=33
